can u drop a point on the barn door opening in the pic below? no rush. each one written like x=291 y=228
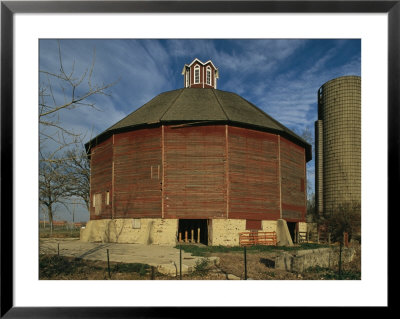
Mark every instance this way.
x=292 y=230
x=193 y=231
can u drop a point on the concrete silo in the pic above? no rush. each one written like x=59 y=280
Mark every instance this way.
x=338 y=144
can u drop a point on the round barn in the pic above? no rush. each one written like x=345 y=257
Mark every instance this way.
x=199 y=165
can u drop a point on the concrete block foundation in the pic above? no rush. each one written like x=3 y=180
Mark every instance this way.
x=155 y=231
x=225 y=232
x=158 y=231
x=322 y=257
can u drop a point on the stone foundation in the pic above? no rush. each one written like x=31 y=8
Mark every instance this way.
x=225 y=232
x=140 y=231
x=158 y=231
x=302 y=260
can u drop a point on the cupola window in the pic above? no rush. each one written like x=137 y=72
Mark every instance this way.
x=208 y=79
x=197 y=74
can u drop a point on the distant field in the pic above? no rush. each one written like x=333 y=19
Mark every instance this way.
x=59 y=232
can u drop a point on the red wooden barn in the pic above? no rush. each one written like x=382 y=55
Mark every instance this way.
x=196 y=163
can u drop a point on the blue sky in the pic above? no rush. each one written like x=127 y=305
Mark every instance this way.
x=281 y=77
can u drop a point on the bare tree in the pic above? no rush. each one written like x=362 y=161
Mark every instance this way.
x=64 y=90
x=64 y=170
x=311 y=213
x=52 y=187
x=306 y=134
x=77 y=170
x=345 y=219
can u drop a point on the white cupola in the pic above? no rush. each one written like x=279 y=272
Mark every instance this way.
x=200 y=75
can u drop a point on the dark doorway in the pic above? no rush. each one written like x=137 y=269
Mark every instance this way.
x=292 y=230
x=192 y=229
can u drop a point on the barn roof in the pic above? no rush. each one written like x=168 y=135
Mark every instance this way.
x=199 y=106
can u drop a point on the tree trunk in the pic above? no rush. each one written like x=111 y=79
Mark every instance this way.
x=87 y=202
x=50 y=213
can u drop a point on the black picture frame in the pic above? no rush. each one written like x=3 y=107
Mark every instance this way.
x=9 y=8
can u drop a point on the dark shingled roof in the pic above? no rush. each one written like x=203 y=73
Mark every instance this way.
x=199 y=105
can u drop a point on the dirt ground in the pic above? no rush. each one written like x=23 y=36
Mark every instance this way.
x=230 y=267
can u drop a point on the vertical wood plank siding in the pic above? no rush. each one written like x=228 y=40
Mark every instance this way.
x=101 y=177
x=194 y=177
x=293 y=181
x=254 y=174
x=138 y=173
x=199 y=172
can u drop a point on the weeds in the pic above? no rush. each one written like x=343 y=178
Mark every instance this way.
x=332 y=274
x=201 y=267
x=141 y=269
x=61 y=267
x=52 y=265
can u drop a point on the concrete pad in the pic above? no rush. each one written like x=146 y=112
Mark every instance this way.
x=164 y=258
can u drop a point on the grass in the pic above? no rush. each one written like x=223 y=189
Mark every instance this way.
x=141 y=269
x=205 y=250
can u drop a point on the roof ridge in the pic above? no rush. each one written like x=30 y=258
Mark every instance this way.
x=172 y=103
x=133 y=112
x=219 y=103
x=140 y=107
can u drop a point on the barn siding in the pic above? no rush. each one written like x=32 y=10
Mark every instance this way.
x=253 y=174
x=193 y=165
x=194 y=180
x=293 y=181
x=101 y=177
x=138 y=174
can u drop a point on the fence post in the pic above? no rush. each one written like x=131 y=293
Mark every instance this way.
x=180 y=262
x=346 y=239
x=329 y=238
x=152 y=272
x=340 y=260
x=318 y=236
x=245 y=264
x=108 y=264
x=198 y=235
